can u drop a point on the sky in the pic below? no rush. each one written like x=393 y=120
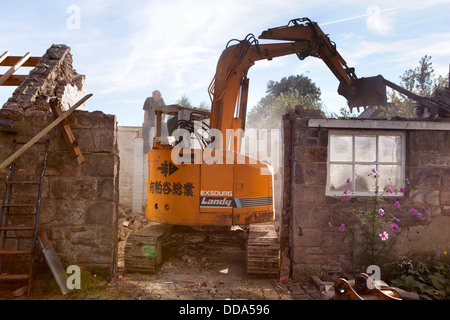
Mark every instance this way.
x=127 y=49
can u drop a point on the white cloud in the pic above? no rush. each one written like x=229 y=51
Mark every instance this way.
x=176 y=44
x=379 y=22
x=401 y=51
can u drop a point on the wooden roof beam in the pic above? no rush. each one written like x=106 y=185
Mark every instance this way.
x=14 y=80
x=16 y=66
x=9 y=61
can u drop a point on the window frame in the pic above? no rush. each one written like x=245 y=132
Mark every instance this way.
x=376 y=163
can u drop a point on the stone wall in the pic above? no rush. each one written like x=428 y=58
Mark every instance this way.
x=79 y=202
x=310 y=246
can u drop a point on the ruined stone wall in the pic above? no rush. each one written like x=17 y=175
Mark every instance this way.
x=310 y=246
x=52 y=77
x=79 y=202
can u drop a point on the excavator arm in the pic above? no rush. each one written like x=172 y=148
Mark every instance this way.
x=229 y=88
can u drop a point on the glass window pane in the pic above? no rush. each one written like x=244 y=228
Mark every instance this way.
x=389 y=149
x=389 y=176
x=340 y=148
x=365 y=180
x=365 y=148
x=339 y=173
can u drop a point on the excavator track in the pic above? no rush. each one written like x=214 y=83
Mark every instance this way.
x=143 y=249
x=263 y=251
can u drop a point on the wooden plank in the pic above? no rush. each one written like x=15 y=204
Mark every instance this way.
x=12 y=60
x=5 y=252
x=66 y=131
x=14 y=80
x=14 y=68
x=36 y=138
x=14 y=276
x=14 y=228
x=4 y=56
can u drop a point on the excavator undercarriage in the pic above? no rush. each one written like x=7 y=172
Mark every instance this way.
x=147 y=248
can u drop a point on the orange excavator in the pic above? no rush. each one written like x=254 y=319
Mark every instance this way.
x=214 y=185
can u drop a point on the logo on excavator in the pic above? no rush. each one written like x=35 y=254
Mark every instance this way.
x=213 y=193
x=167 y=168
x=225 y=202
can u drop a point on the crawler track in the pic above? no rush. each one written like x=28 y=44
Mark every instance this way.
x=143 y=249
x=263 y=251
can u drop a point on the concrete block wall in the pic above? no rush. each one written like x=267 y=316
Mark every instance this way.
x=133 y=169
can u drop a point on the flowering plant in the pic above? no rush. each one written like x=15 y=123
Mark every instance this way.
x=376 y=222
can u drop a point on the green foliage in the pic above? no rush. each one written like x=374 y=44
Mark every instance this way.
x=429 y=280
x=184 y=101
x=269 y=111
x=375 y=225
x=299 y=84
x=287 y=93
x=371 y=247
x=420 y=81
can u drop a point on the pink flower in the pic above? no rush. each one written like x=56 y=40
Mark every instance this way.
x=357 y=175
x=407 y=181
x=397 y=204
x=395 y=219
x=390 y=190
x=384 y=235
x=374 y=171
x=420 y=216
x=402 y=190
x=425 y=209
x=381 y=211
x=348 y=180
x=342 y=227
x=394 y=226
x=346 y=191
x=344 y=199
x=413 y=211
x=329 y=224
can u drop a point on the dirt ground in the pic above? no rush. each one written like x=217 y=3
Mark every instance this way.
x=197 y=265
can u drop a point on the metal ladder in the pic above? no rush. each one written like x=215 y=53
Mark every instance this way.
x=19 y=221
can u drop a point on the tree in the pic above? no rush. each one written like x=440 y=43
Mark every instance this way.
x=293 y=84
x=287 y=93
x=184 y=101
x=420 y=81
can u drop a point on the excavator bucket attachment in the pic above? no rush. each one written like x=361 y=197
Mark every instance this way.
x=366 y=92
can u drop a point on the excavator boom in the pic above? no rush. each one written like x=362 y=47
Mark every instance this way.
x=301 y=37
